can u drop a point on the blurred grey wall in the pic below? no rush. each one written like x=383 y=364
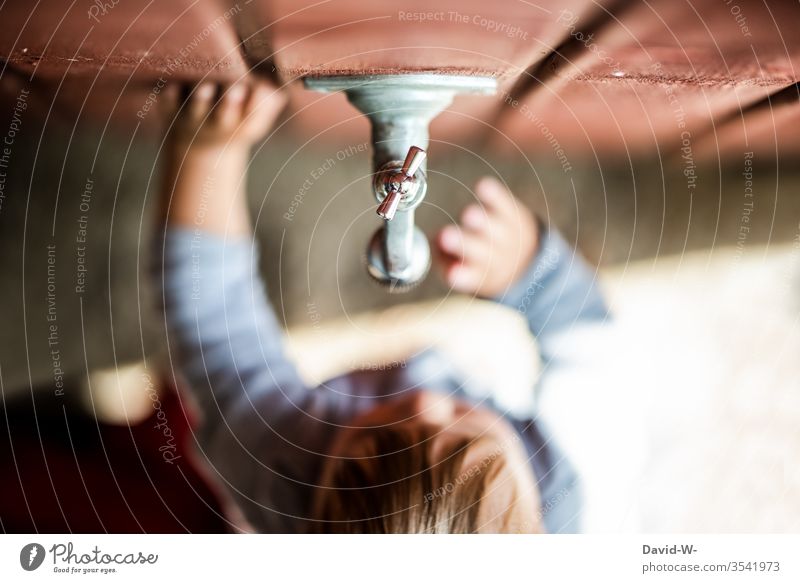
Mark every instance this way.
x=314 y=212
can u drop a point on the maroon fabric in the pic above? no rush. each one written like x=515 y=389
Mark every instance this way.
x=65 y=472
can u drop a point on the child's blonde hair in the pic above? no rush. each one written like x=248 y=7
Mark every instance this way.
x=395 y=488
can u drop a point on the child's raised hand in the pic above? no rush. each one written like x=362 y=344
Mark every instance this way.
x=239 y=114
x=495 y=242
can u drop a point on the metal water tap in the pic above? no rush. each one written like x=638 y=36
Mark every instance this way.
x=400 y=108
x=395 y=185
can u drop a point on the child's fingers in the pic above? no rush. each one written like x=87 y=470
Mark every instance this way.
x=463 y=277
x=265 y=97
x=496 y=196
x=467 y=246
x=443 y=260
x=258 y=94
x=450 y=241
x=170 y=100
x=474 y=219
x=458 y=274
x=200 y=101
x=228 y=111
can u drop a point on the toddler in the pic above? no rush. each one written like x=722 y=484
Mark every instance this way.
x=403 y=450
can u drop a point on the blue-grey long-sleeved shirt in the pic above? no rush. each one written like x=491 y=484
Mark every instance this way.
x=265 y=434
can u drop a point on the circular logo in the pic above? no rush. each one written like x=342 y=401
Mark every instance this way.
x=31 y=556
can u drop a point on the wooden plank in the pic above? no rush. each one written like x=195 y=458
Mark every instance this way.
x=767 y=128
x=184 y=39
x=472 y=37
x=659 y=73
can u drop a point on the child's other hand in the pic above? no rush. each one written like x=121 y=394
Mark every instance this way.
x=492 y=246
x=227 y=115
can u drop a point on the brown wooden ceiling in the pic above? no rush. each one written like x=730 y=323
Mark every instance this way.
x=588 y=77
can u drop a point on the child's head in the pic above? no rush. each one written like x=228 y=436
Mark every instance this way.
x=427 y=463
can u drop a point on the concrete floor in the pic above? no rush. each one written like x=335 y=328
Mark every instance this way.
x=616 y=211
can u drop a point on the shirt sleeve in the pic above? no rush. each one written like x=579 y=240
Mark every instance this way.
x=558 y=294
x=226 y=342
x=218 y=318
